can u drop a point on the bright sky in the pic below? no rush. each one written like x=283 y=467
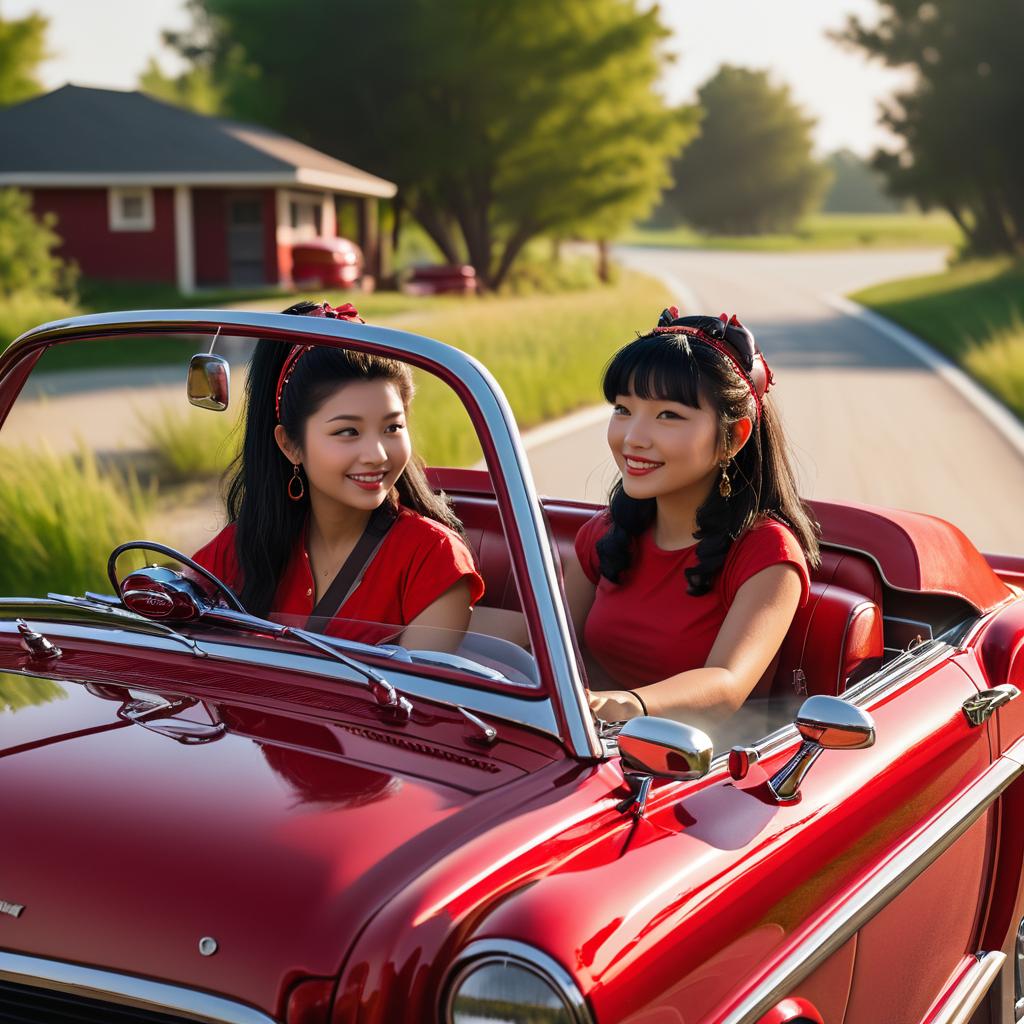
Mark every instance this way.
x=108 y=42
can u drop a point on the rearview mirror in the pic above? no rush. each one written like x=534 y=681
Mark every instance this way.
x=209 y=379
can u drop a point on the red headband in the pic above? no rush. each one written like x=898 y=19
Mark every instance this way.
x=346 y=312
x=757 y=382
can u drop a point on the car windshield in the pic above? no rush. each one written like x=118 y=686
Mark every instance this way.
x=103 y=447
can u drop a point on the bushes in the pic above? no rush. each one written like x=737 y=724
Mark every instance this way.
x=35 y=285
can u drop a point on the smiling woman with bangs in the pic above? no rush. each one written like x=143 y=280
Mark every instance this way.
x=686 y=585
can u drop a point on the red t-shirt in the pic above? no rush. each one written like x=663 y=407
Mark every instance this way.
x=417 y=562
x=647 y=627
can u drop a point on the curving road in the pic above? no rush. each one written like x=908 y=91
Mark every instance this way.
x=869 y=422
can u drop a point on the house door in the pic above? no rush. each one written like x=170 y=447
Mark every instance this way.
x=245 y=240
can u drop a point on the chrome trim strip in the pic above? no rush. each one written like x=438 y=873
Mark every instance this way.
x=909 y=664
x=522 y=516
x=535 y=713
x=968 y=994
x=881 y=886
x=501 y=951
x=127 y=990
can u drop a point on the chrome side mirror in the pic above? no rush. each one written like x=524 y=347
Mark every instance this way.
x=659 y=747
x=825 y=723
x=666 y=749
x=209 y=380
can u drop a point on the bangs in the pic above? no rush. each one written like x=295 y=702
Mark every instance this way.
x=656 y=366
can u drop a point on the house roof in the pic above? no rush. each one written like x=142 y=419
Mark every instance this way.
x=75 y=136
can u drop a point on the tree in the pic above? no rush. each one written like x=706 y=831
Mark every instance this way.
x=22 y=50
x=219 y=78
x=857 y=187
x=751 y=170
x=499 y=121
x=961 y=119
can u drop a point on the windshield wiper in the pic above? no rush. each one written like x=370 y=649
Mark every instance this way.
x=398 y=708
x=113 y=612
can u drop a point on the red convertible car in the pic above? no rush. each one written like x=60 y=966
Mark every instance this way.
x=211 y=817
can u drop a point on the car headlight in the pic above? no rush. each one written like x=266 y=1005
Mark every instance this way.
x=511 y=983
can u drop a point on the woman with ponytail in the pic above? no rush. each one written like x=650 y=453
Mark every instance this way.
x=688 y=582
x=331 y=519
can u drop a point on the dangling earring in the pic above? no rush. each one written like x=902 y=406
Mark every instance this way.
x=296 y=479
x=724 y=484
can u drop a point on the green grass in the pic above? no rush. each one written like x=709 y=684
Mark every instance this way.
x=546 y=351
x=821 y=231
x=974 y=313
x=62 y=516
x=190 y=443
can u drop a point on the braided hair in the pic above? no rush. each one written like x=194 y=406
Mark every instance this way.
x=680 y=367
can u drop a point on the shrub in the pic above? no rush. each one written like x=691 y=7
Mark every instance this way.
x=27 y=261
x=22 y=310
x=62 y=515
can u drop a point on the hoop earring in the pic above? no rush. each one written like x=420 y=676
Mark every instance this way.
x=724 y=484
x=296 y=479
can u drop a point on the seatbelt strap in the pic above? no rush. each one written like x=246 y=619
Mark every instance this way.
x=349 y=575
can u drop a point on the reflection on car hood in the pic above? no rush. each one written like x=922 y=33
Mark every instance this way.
x=274 y=833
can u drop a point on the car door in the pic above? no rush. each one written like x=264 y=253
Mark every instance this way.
x=861 y=899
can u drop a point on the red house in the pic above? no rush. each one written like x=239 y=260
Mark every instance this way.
x=148 y=191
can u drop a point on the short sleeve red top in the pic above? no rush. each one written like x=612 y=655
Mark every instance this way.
x=647 y=627
x=417 y=562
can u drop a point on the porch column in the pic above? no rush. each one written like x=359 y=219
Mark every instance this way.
x=369 y=240
x=184 y=240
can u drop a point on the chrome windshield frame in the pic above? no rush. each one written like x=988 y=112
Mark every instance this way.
x=533 y=562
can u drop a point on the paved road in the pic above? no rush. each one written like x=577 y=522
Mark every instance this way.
x=868 y=422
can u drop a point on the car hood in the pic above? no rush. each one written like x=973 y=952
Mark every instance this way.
x=274 y=833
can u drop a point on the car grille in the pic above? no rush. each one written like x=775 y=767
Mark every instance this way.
x=25 y=1004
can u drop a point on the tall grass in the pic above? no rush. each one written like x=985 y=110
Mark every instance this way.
x=61 y=516
x=190 y=443
x=998 y=363
x=546 y=352
x=973 y=312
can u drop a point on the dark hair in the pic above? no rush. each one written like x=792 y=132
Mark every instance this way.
x=678 y=368
x=267 y=521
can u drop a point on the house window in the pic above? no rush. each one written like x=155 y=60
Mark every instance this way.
x=131 y=209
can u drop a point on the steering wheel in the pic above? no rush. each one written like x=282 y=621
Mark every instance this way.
x=150 y=545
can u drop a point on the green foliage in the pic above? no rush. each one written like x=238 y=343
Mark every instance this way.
x=960 y=119
x=190 y=443
x=819 y=231
x=751 y=170
x=62 y=516
x=22 y=50
x=856 y=187
x=546 y=351
x=499 y=122
x=27 y=262
x=24 y=310
x=18 y=691
x=974 y=313
x=219 y=80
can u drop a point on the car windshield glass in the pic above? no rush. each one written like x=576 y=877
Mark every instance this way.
x=102 y=447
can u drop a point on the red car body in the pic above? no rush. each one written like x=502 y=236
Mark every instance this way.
x=267 y=845
x=327 y=263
